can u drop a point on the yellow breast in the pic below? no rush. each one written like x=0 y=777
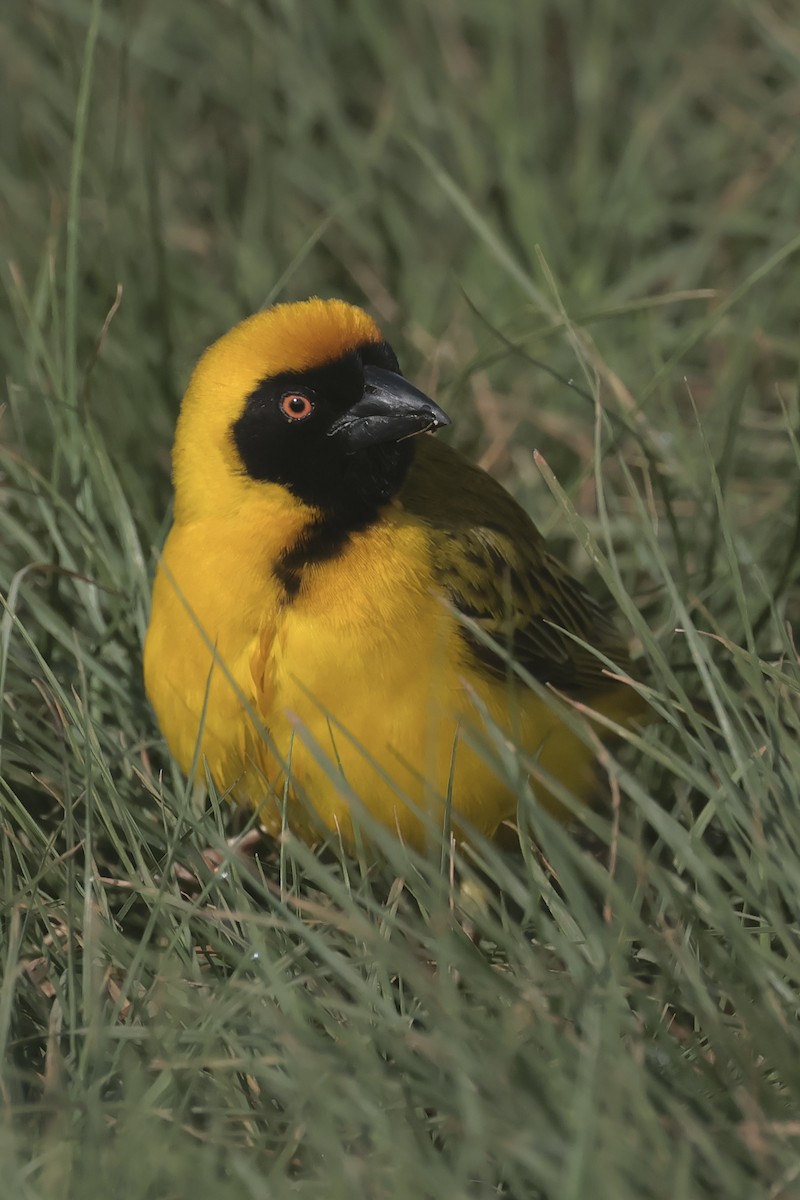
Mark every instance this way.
x=357 y=688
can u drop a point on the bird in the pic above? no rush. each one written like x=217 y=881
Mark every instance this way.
x=341 y=595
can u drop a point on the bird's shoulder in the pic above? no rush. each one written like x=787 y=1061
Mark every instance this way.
x=494 y=566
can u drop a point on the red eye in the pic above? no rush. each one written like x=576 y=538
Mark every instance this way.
x=296 y=406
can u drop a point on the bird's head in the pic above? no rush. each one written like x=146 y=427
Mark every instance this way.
x=307 y=398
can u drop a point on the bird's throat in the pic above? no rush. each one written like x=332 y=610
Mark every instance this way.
x=355 y=501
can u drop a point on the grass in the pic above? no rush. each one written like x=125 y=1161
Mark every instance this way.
x=578 y=224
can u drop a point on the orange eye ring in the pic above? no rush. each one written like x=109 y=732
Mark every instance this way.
x=295 y=406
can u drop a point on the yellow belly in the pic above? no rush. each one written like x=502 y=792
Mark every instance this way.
x=358 y=691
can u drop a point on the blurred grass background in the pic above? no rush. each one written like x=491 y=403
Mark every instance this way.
x=545 y=205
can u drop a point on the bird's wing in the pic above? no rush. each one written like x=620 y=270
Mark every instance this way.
x=528 y=604
x=494 y=567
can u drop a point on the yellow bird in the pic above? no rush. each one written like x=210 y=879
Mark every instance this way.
x=304 y=646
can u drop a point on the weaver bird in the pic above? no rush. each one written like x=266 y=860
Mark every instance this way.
x=305 y=646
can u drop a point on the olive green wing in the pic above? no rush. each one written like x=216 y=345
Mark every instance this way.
x=525 y=602
x=494 y=567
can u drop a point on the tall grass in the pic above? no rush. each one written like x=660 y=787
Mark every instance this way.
x=577 y=223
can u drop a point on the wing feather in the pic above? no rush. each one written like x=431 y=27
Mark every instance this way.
x=493 y=565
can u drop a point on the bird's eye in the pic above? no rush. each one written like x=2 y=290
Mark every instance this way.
x=295 y=406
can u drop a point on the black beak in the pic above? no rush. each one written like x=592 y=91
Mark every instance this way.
x=390 y=410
